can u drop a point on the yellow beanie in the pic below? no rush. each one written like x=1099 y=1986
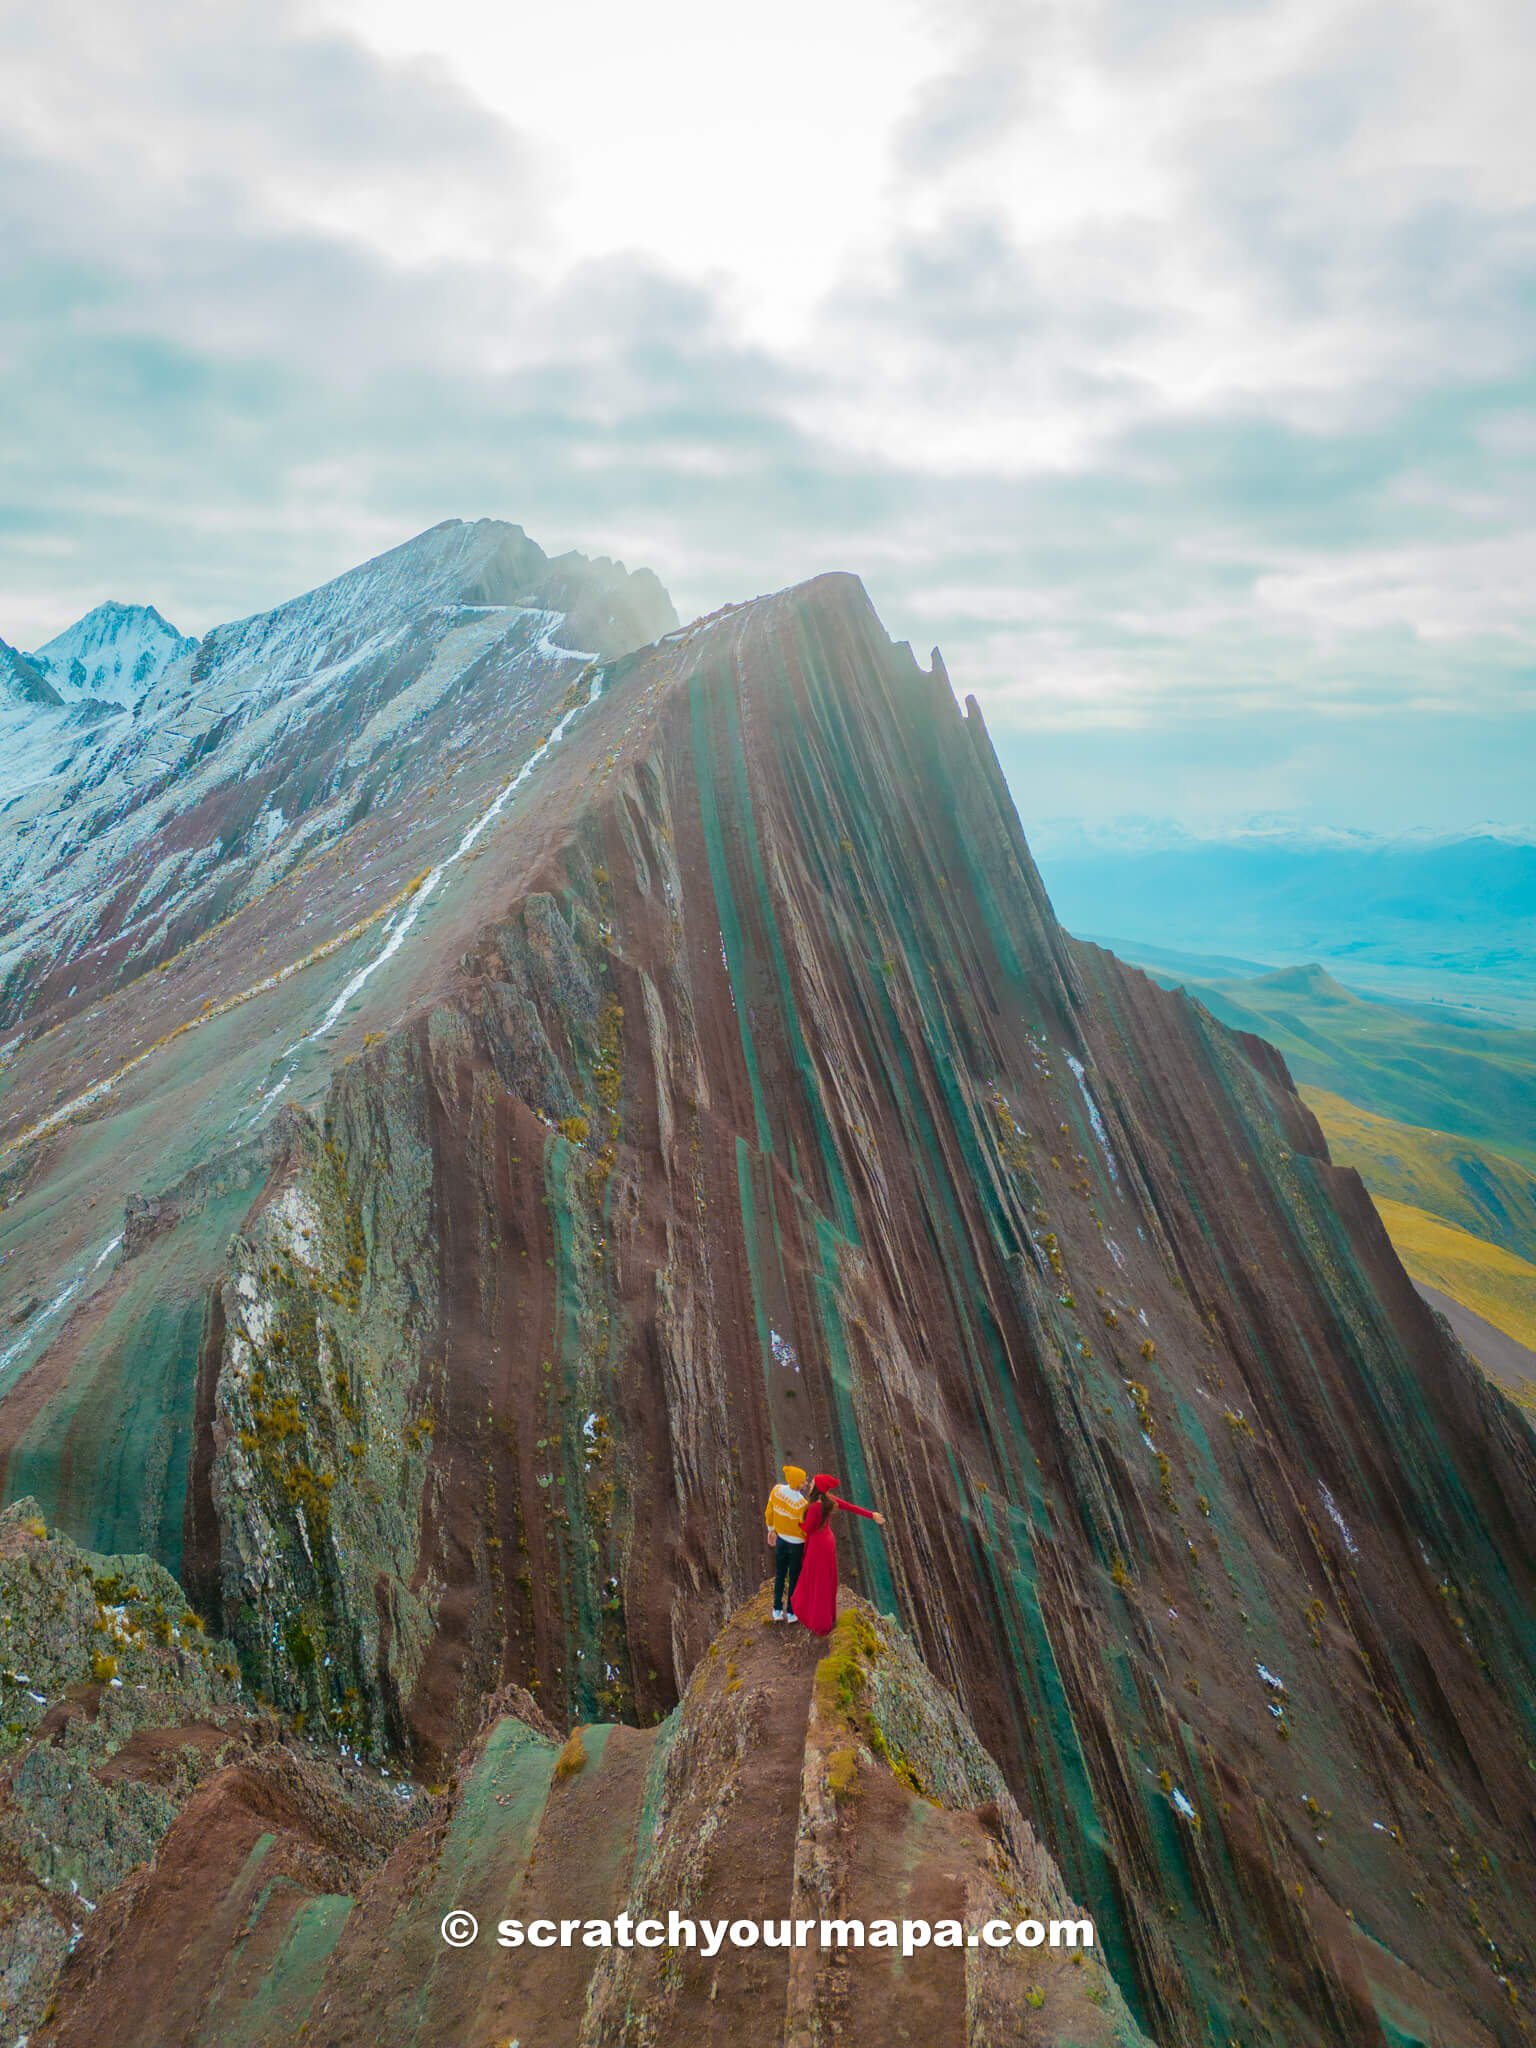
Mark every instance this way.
x=795 y=1474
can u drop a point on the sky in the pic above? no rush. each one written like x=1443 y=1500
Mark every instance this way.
x=1169 y=363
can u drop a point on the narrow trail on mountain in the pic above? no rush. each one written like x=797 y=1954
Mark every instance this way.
x=745 y=1101
x=400 y=930
x=406 y=906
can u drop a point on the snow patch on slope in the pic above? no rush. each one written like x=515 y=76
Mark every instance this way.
x=1095 y=1118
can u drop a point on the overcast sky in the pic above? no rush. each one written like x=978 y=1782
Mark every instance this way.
x=1169 y=364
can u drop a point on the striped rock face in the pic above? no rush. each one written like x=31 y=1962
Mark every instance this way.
x=290 y=1899
x=432 y=1261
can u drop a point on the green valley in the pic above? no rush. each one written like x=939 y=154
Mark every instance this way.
x=1418 y=1063
x=1434 y=1108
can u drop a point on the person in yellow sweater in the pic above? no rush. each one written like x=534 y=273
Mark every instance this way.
x=786 y=1507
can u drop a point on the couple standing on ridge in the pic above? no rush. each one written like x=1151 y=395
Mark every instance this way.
x=805 y=1549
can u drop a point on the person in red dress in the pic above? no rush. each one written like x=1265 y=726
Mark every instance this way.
x=815 y=1595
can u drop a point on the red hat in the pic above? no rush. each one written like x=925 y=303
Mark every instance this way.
x=825 y=1483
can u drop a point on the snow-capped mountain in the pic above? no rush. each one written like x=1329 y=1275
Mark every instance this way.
x=115 y=653
x=485 y=564
x=125 y=834
x=73 y=696
x=1134 y=834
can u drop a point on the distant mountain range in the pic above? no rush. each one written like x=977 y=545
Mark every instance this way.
x=1059 y=837
x=1428 y=918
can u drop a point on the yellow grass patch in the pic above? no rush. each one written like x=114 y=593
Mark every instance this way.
x=1483 y=1277
x=1483 y=1190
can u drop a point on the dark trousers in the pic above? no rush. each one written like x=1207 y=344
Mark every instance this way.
x=787 y=1559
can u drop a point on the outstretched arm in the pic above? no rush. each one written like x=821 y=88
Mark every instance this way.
x=848 y=1508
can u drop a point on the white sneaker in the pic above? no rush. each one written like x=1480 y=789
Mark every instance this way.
x=778 y=1614
x=792 y=1617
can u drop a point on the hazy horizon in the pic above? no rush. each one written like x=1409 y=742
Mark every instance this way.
x=1169 y=367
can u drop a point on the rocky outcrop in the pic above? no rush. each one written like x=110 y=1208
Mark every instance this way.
x=781 y=1789
x=119 y=1711
x=737 y=1096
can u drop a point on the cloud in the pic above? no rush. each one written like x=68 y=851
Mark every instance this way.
x=1168 y=363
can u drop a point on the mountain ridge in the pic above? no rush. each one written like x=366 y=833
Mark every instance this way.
x=485 y=562
x=320 y=1883
x=733 y=1092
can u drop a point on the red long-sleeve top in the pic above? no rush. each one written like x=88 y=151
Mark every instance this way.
x=847 y=1506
